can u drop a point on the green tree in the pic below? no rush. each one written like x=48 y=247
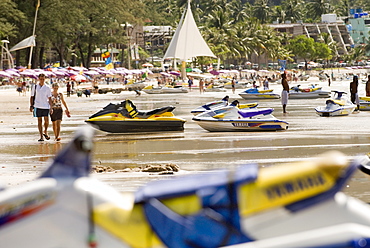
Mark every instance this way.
x=84 y=27
x=322 y=51
x=9 y=16
x=302 y=47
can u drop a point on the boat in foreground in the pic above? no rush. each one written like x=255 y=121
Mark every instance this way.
x=255 y=93
x=232 y=118
x=124 y=117
x=338 y=106
x=221 y=103
x=150 y=89
x=290 y=205
x=308 y=93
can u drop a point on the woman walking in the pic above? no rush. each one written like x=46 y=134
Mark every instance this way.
x=57 y=100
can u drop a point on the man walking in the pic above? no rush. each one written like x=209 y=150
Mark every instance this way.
x=285 y=92
x=40 y=105
x=354 y=92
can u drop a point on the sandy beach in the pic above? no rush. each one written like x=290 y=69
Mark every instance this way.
x=195 y=150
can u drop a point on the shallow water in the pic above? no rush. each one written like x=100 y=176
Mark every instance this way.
x=194 y=150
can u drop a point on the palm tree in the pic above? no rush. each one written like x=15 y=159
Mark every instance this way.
x=261 y=11
x=316 y=8
x=341 y=8
x=293 y=10
x=278 y=14
x=356 y=54
x=238 y=11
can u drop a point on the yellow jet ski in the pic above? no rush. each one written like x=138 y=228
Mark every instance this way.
x=124 y=117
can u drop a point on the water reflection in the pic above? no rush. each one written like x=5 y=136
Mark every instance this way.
x=47 y=150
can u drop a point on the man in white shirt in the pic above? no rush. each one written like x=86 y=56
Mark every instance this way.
x=40 y=105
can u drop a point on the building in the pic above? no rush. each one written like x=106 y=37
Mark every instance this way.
x=337 y=31
x=134 y=38
x=358 y=26
x=153 y=39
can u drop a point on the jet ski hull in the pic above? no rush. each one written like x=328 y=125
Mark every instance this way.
x=309 y=95
x=336 y=112
x=336 y=107
x=213 y=125
x=138 y=125
x=165 y=90
x=365 y=103
x=259 y=96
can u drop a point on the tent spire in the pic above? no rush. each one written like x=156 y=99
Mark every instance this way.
x=187 y=41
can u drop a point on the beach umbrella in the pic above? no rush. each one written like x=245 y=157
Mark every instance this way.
x=249 y=70
x=136 y=71
x=59 y=73
x=196 y=70
x=71 y=73
x=77 y=68
x=214 y=72
x=91 y=73
x=5 y=74
x=105 y=72
x=175 y=73
x=78 y=78
x=13 y=72
x=47 y=73
x=28 y=73
x=165 y=74
x=147 y=65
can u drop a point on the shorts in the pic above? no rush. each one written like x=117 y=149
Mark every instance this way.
x=57 y=114
x=37 y=112
x=284 y=97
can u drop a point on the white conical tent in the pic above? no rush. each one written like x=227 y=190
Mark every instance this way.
x=187 y=41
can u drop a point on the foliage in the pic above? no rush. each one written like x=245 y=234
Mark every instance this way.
x=9 y=16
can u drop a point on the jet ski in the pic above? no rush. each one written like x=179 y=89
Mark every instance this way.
x=296 y=204
x=150 y=89
x=338 y=106
x=232 y=118
x=124 y=117
x=221 y=103
x=296 y=92
x=214 y=88
x=364 y=103
x=255 y=93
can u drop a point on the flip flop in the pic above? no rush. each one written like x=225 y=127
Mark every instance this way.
x=58 y=139
x=41 y=140
x=46 y=136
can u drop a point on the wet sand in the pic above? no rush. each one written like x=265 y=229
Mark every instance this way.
x=195 y=150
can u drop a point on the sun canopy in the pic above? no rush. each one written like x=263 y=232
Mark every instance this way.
x=187 y=41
